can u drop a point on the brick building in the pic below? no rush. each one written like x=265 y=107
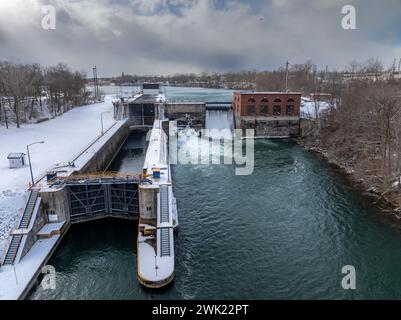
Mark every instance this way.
x=271 y=114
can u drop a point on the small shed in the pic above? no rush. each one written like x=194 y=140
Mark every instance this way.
x=16 y=160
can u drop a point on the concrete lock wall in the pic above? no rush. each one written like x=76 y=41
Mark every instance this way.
x=180 y=111
x=58 y=202
x=148 y=202
x=102 y=159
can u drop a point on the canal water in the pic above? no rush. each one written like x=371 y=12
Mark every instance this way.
x=131 y=157
x=284 y=232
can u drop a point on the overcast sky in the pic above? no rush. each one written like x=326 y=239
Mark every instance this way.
x=183 y=36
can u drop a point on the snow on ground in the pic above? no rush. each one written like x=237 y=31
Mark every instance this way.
x=64 y=137
x=308 y=108
x=14 y=279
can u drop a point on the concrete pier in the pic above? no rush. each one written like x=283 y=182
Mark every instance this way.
x=158 y=215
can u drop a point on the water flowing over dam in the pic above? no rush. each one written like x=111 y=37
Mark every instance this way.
x=220 y=120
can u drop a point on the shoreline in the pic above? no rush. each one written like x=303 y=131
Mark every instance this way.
x=378 y=197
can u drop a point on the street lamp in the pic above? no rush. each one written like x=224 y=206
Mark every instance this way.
x=29 y=157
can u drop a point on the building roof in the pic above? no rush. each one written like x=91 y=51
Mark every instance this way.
x=151 y=86
x=147 y=99
x=268 y=92
x=15 y=155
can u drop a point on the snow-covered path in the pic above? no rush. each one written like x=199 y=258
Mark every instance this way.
x=64 y=137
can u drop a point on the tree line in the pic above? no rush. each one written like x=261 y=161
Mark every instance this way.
x=301 y=77
x=26 y=89
x=362 y=132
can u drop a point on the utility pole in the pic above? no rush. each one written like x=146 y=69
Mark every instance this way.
x=95 y=83
x=394 y=65
x=286 y=76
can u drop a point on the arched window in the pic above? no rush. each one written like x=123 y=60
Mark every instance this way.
x=277 y=108
x=264 y=107
x=290 y=110
x=251 y=108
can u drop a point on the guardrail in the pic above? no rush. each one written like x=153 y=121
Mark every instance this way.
x=96 y=176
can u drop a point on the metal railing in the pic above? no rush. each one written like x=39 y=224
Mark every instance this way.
x=31 y=202
x=10 y=236
x=96 y=176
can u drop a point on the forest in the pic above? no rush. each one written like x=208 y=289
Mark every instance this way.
x=32 y=93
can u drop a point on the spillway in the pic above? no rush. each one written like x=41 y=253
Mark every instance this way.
x=220 y=120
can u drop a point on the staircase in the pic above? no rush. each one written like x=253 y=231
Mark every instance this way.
x=30 y=206
x=24 y=224
x=164 y=205
x=165 y=242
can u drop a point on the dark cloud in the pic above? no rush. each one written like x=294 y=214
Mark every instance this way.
x=169 y=36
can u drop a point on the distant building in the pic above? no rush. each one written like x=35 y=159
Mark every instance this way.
x=143 y=109
x=270 y=114
x=151 y=88
x=371 y=76
x=320 y=97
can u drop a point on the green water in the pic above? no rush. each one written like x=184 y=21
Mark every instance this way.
x=285 y=232
x=131 y=157
x=177 y=93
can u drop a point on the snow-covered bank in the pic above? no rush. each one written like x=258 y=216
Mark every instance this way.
x=64 y=137
x=310 y=108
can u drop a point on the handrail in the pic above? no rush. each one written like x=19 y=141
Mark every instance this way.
x=6 y=247
x=17 y=224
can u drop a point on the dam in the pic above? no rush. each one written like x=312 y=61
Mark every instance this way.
x=284 y=232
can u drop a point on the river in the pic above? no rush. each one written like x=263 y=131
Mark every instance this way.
x=284 y=232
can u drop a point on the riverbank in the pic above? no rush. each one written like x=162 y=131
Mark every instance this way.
x=388 y=200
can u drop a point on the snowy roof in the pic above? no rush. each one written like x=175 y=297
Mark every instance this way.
x=15 y=156
x=146 y=98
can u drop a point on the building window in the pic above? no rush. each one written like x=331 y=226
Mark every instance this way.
x=277 y=108
x=264 y=108
x=290 y=107
x=251 y=107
